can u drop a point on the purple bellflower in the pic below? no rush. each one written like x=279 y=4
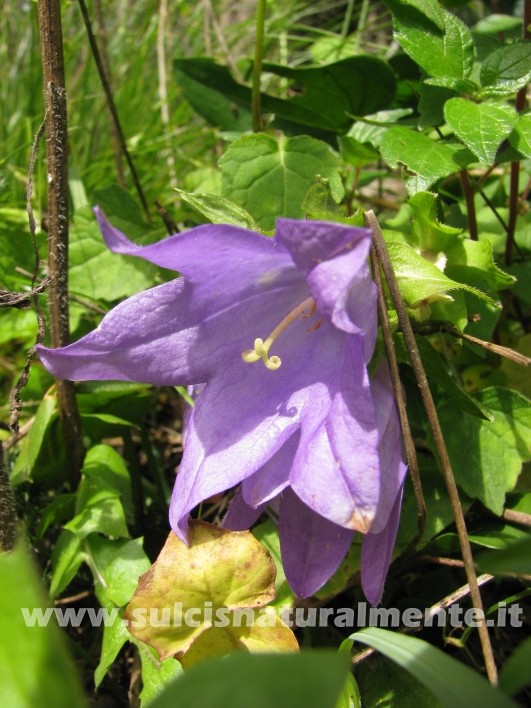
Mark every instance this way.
x=278 y=332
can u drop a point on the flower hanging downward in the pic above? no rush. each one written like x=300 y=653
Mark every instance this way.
x=279 y=331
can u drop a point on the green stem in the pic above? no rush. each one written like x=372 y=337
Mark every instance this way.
x=257 y=66
x=470 y=206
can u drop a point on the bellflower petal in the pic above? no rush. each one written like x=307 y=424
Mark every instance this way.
x=278 y=333
x=376 y=555
x=240 y=515
x=311 y=546
x=339 y=448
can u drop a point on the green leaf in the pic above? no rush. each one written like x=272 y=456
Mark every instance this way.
x=104 y=470
x=507 y=70
x=472 y=262
x=330 y=94
x=430 y=234
x=521 y=136
x=61 y=508
x=436 y=371
x=16 y=249
x=115 y=635
x=384 y=684
x=428 y=159
x=357 y=86
x=435 y=39
x=102 y=513
x=270 y=176
x=90 y=259
x=487 y=456
x=481 y=126
x=451 y=681
x=439 y=512
x=219 y=210
x=67 y=557
x=35 y=668
x=156 y=675
x=119 y=564
x=515 y=675
x=420 y=281
x=497 y=23
x=310 y=680
x=516 y=558
x=33 y=442
x=267 y=534
x=373 y=127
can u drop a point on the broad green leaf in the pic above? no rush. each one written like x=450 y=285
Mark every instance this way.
x=61 y=508
x=356 y=153
x=219 y=210
x=516 y=558
x=436 y=370
x=481 y=126
x=428 y=159
x=102 y=513
x=386 y=685
x=67 y=557
x=517 y=376
x=309 y=680
x=156 y=675
x=16 y=248
x=318 y=203
x=515 y=674
x=431 y=104
x=37 y=460
x=35 y=669
x=487 y=456
x=267 y=534
x=104 y=470
x=435 y=39
x=194 y=589
x=430 y=235
x=356 y=86
x=496 y=23
x=115 y=635
x=439 y=513
x=521 y=136
x=373 y=127
x=454 y=684
x=472 y=262
x=507 y=70
x=119 y=564
x=97 y=273
x=420 y=281
x=269 y=177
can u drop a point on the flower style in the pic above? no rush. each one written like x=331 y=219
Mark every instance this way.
x=278 y=331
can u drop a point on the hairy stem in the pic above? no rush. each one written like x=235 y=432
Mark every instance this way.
x=433 y=420
x=515 y=166
x=56 y=155
x=8 y=516
x=257 y=66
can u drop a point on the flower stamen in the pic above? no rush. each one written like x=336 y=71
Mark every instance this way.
x=304 y=309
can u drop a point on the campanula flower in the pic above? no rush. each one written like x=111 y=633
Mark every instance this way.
x=278 y=333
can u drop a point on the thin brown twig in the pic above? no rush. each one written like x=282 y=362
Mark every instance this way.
x=442 y=452
x=517 y=517
x=409 y=445
x=112 y=107
x=115 y=138
x=470 y=206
